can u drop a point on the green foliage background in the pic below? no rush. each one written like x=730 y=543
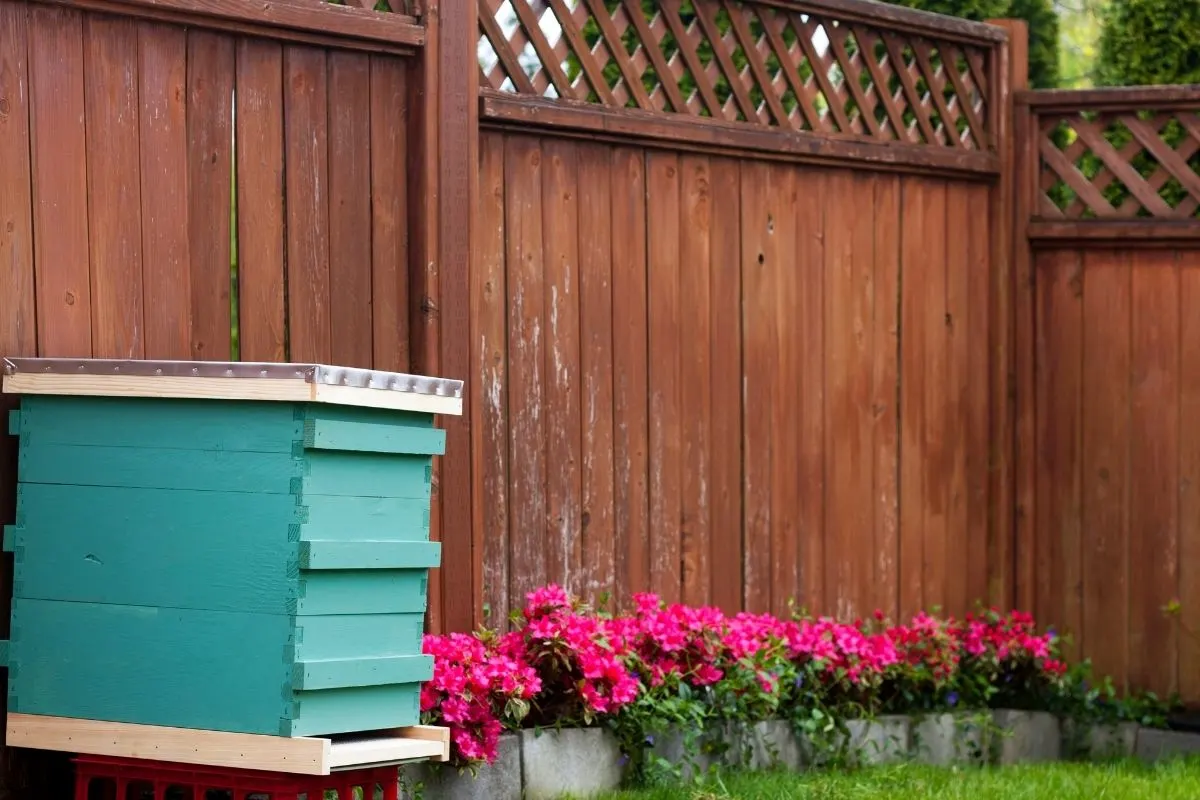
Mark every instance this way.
x=1145 y=42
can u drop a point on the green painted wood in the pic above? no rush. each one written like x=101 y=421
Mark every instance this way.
x=157 y=555
x=163 y=468
x=376 y=591
x=367 y=475
x=158 y=547
x=369 y=555
x=367 y=708
x=347 y=672
x=14 y=422
x=10 y=537
x=368 y=416
x=243 y=426
x=358 y=636
x=321 y=434
x=4 y=653
x=178 y=668
x=331 y=517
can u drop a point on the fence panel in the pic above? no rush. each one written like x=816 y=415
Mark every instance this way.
x=1112 y=198
x=730 y=381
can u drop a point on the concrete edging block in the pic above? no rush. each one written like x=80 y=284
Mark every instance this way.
x=579 y=762
x=498 y=781
x=949 y=739
x=766 y=745
x=1154 y=744
x=1099 y=742
x=1027 y=737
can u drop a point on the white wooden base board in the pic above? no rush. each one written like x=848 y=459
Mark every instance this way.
x=300 y=755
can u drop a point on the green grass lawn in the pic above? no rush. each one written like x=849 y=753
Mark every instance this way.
x=1121 y=781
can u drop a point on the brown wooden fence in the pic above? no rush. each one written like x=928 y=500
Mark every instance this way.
x=1111 y=355
x=702 y=376
x=733 y=284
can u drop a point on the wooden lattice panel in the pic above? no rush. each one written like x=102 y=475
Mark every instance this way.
x=1119 y=164
x=741 y=62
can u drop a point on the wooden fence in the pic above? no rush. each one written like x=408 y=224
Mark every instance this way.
x=1111 y=361
x=734 y=274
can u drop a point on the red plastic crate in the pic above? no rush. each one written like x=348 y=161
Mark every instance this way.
x=104 y=778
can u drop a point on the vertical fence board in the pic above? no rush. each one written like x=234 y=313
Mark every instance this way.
x=725 y=387
x=1154 y=471
x=489 y=400
x=597 y=360
x=166 y=259
x=812 y=187
x=523 y=164
x=262 y=329
x=1105 y=457
x=490 y=395
x=695 y=255
x=59 y=166
x=778 y=390
x=914 y=275
x=307 y=203
x=389 y=214
x=885 y=383
x=758 y=346
x=1189 y=482
x=935 y=442
x=351 y=327
x=976 y=443
x=848 y=442
x=210 y=84
x=114 y=201
x=1060 y=351
x=18 y=317
x=958 y=228
x=1068 y=487
x=666 y=348
x=560 y=236
x=630 y=373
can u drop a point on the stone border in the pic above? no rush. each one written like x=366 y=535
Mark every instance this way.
x=581 y=763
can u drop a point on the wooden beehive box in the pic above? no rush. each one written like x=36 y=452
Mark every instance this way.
x=240 y=548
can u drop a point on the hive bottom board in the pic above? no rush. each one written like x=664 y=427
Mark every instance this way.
x=300 y=755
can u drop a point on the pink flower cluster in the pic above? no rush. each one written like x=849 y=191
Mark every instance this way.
x=475 y=680
x=578 y=656
x=674 y=641
x=844 y=653
x=566 y=664
x=930 y=646
x=1008 y=640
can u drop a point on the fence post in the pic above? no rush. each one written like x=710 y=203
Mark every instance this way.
x=1008 y=516
x=443 y=161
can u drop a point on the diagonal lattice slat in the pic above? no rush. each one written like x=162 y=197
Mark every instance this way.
x=743 y=62
x=1112 y=165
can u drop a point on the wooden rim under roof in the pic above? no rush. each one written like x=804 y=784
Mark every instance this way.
x=218 y=380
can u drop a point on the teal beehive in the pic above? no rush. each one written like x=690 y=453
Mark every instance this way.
x=225 y=547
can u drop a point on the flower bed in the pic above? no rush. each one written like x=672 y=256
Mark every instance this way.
x=709 y=684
